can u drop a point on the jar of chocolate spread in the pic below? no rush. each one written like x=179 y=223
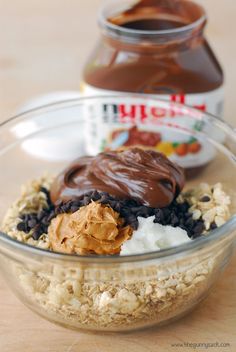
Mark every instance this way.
x=154 y=47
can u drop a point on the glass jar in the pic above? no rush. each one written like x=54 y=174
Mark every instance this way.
x=154 y=47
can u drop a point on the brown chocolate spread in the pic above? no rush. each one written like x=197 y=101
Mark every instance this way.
x=178 y=62
x=156 y=15
x=139 y=138
x=143 y=175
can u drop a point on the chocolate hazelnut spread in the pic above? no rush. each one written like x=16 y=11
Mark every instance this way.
x=156 y=48
x=145 y=176
x=136 y=137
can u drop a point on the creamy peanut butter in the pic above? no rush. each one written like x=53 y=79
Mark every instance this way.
x=93 y=229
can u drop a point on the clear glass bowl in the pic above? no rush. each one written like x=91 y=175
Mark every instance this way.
x=111 y=293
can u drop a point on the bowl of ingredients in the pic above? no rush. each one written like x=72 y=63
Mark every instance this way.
x=117 y=213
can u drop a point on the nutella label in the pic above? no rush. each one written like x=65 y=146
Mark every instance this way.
x=123 y=121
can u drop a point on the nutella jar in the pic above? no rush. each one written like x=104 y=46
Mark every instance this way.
x=154 y=47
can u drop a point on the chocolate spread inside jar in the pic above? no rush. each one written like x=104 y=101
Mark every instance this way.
x=154 y=47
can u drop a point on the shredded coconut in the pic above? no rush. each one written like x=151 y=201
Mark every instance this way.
x=153 y=237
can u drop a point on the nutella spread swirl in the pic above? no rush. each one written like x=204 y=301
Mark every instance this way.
x=143 y=175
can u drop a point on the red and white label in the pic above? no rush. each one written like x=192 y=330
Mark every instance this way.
x=124 y=121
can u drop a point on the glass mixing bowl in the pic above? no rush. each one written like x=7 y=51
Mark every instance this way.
x=112 y=293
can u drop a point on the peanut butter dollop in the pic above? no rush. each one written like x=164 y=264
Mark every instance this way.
x=93 y=229
x=146 y=176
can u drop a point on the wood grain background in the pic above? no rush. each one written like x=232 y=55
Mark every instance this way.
x=43 y=46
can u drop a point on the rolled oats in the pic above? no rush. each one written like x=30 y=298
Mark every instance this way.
x=209 y=203
x=121 y=298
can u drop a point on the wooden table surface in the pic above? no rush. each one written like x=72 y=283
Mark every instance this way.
x=43 y=47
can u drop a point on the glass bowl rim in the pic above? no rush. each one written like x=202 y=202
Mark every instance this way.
x=194 y=245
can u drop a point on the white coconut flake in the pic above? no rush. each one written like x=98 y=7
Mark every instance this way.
x=153 y=237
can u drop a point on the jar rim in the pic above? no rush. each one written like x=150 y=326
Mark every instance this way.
x=117 y=31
